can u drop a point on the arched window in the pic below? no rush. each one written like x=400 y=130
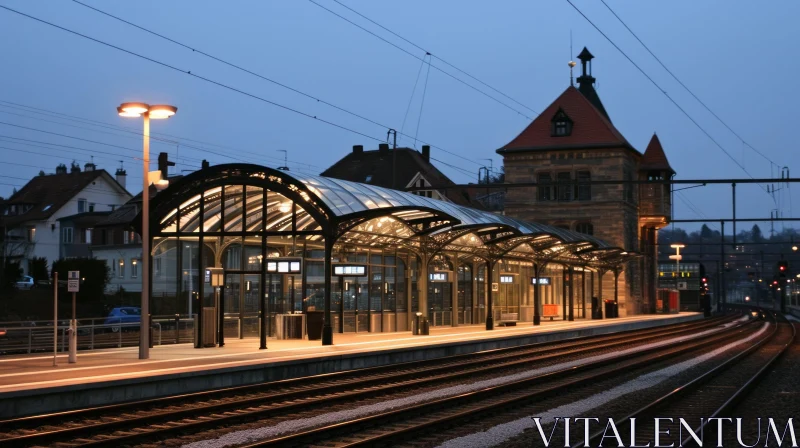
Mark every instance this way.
x=584 y=227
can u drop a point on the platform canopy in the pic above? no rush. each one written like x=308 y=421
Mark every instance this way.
x=231 y=199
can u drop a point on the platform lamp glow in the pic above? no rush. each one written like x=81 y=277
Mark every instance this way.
x=157 y=112
x=677 y=257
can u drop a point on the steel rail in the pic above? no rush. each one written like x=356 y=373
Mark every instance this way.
x=338 y=390
x=641 y=358
x=666 y=400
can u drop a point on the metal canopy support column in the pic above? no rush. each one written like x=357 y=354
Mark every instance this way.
x=474 y=280
x=616 y=289
x=454 y=294
x=198 y=343
x=537 y=319
x=221 y=314
x=327 y=328
x=583 y=292
x=571 y=294
x=489 y=278
x=591 y=291
x=564 y=293
x=262 y=290
x=422 y=285
x=600 y=274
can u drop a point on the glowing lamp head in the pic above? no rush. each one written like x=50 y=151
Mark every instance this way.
x=285 y=207
x=162 y=111
x=132 y=109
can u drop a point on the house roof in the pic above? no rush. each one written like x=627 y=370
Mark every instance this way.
x=125 y=215
x=47 y=194
x=86 y=218
x=654 y=158
x=590 y=128
x=375 y=168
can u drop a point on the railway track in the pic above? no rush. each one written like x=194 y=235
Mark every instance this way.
x=712 y=394
x=153 y=420
x=399 y=426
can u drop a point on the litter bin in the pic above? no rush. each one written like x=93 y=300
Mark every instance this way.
x=314 y=322
x=415 y=324
x=610 y=309
x=596 y=310
x=425 y=327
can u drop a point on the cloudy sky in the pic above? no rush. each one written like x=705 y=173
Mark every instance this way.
x=737 y=56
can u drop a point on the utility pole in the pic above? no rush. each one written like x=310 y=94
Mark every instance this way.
x=285 y=166
x=394 y=157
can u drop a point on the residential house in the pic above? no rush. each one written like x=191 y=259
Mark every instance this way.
x=31 y=217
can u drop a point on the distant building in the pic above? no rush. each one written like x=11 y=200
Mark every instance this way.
x=399 y=169
x=35 y=219
x=571 y=143
x=115 y=241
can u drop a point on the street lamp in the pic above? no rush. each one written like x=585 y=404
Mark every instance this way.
x=677 y=257
x=157 y=112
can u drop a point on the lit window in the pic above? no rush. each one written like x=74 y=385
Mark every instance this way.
x=31 y=234
x=134 y=268
x=121 y=268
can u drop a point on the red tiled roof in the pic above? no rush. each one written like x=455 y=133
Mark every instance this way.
x=590 y=127
x=654 y=157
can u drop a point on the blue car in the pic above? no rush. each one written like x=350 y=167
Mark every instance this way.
x=123 y=315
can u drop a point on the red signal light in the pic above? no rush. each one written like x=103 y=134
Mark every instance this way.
x=775 y=282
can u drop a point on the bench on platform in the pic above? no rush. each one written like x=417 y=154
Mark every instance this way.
x=550 y=310
x=508 y=319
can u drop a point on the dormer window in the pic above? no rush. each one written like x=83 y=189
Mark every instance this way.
x=561 y=124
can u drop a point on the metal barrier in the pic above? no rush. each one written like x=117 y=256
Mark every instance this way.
x=93 y=333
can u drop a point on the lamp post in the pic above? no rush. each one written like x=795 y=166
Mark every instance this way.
x=677 y=257
x=157 y=112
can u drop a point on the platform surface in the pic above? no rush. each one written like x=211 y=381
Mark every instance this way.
x=36 y=371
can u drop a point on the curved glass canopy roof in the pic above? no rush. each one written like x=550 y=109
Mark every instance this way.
x=350 y=210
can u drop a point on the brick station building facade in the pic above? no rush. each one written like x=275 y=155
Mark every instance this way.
x=571 y=142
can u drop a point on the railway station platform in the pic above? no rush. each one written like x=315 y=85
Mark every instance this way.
x=30 y=384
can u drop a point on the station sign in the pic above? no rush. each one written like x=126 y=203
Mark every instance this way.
x=439 y=276
x=73 y=281
x=292 y=265
x=542 y=280
x=349 y=270
x=506 y=279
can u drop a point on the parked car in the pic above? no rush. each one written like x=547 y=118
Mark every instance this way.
x=26 y=282
x=123 y=315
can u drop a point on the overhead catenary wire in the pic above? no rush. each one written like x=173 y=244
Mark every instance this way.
x=265 y=78
x=433 y=55
x=744 y=142
x=153 y=135
x=422 y=103
x=419 y=58
x=664 y=92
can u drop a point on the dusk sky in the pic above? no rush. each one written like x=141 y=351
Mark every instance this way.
x=739 y=57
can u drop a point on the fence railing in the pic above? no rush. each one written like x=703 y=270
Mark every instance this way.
x=93 y=333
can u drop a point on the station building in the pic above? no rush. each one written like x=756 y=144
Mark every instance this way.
x=362 y=257
x=573 y=164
